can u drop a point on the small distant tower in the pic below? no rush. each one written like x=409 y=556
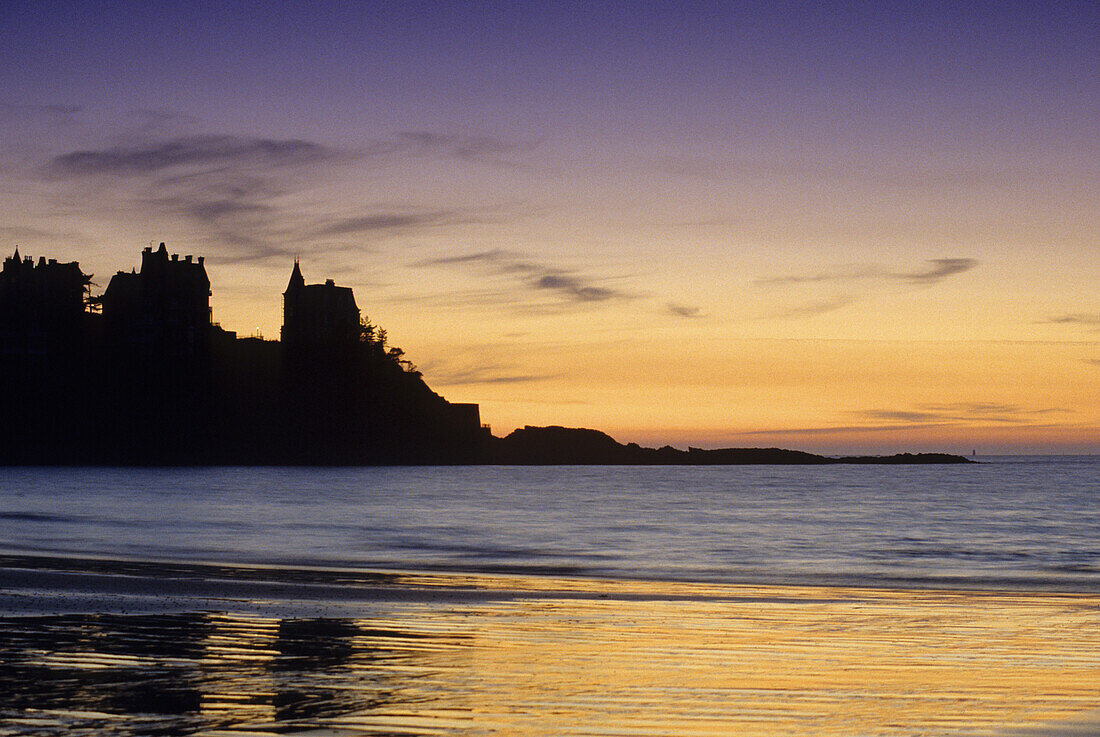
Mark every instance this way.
x=291 y=298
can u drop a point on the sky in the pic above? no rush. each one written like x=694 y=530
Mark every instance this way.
x=839 y=227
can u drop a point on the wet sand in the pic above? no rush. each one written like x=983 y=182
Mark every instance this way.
x=114 y=647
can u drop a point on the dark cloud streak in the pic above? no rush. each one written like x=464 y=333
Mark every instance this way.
x=388 y=221
x=573 y=288
x=937 y=270
x=491 y=374
x=151 y=157
x=940 y=268
x=838 y=429
x=927 y=416
x=235 y=187
x=55 y=114
x=214 y=210
x=1091 y=320
x=898 y=174
x=491 y=257
x=817 y=307
x=678 y=310
x=477 y=149
x=208 y=150
x=939 y=414
x=873 y=277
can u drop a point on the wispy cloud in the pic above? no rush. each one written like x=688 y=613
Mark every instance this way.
x=926 y=416
x=847 y=274
x=404 y=220
x=205 y=150
x=442 y=375
x=857 y=280
x=576 y=288
x=479 y=149
x=242 y=192
x=17 y=233
x=220 y=209
x=816 y=307
x=961 y=412
x=1084 y=319
x=56 y=114
x=244 y=210
x=158 y=121
x=493 y=257
x=678 y=310
x=568 y=286
x=900 y=174
x=935 y=270
x=152 y=154
x=530 y=277
x=836 y=429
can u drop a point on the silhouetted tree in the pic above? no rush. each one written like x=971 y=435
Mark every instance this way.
x=368 y=331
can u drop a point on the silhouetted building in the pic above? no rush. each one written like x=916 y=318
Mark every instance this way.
x=161 y=311
x=318 y=314
x=151 y=380
x=465 y=414
x=41 y=307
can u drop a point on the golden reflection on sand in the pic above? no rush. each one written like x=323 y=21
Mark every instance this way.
x=773 y=661
x=563 y=657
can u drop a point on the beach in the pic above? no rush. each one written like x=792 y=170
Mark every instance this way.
x=99 y=646
x=839 y=601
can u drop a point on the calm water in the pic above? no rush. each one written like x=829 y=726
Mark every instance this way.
x=635 y=618
x=1010 y=522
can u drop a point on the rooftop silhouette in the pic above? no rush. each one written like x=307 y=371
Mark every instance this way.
x=140 y=375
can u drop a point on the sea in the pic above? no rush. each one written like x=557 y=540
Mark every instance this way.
x=1006 y=522
x=758 y=601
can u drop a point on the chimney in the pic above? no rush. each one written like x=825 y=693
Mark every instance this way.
x=187 y=258
x=175 y=257
x=53 y=261
x=201 y=259
x=330 y=283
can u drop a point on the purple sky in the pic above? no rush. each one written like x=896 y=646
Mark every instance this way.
x=519 y=190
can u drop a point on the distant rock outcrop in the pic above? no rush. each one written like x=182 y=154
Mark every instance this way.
x=555 y=445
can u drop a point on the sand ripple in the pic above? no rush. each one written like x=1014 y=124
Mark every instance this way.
x=532 y=656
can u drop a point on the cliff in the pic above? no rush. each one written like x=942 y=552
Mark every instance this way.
x=150 y=380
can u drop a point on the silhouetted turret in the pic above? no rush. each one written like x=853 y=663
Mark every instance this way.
x=349 y=398
x=318 y=314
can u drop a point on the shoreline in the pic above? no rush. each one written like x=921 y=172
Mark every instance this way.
x=41 y=584
x=646 y=457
